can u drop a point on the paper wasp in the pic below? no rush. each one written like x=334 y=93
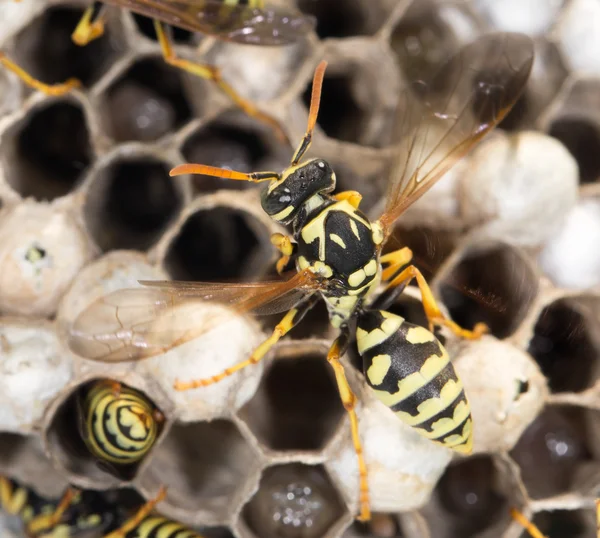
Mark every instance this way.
x=118 y=425
x=239 y=21
x=338 y=253
x=86 y=513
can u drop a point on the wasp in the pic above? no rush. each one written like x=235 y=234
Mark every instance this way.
x=239 y=21
x=118 y=425
x=339 y=255
x=533 y=530
x=85 y=513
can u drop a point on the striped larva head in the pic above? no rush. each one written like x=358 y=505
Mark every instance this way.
x=283 y=198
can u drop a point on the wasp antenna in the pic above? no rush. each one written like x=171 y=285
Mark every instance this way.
x=315 y=101
x=203 y=169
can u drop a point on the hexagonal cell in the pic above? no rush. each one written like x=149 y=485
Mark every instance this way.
x=352 y=18
x=493 y=284
x=46 y=153
x=558 y=450
x=208 y=468
x=380 y=526
x=219 y=243
x=428 y=33
x=293 y=501
x=131 y=202
x=469 y=500
x=283 y=415
x=574 y=120
x=147 y=102
x=134 y=430
x=347 y=112
x=565 y=346
x=46 y=50
x=235 y=142
x=561 y=523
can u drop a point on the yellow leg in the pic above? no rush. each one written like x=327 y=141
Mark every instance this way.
x=284 y=244
x=354 y=197
x=213 y=73
x=88 y=30
x=49 y=89
x=526 y=524
x=432 y=310
x=395 y=260
x=139 y=516
x=48 y=521
x=291 y=319
x=349 y=400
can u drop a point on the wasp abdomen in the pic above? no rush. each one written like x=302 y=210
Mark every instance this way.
x=410 y=372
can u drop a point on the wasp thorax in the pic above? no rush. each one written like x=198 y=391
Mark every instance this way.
x=284 y=197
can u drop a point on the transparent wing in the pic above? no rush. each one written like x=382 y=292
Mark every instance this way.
x=230 y=22
x=136 y=323
x=440 y=120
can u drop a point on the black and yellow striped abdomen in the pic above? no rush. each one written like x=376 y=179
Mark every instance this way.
x=155 y=526
x=410 y=372
x=120 y=423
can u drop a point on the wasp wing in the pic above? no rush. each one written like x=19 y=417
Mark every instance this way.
x=440 y=120
x=136 y=323
x=229 y=22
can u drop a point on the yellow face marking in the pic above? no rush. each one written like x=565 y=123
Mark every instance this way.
x=366 y=340
x=379 y=368
x=282 y=215
x=433 y=406
x=357 y=278
x=354 y=229
x=338 y=240
x=419 y=335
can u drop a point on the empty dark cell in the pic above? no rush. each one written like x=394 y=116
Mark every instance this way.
x=216 y=244
x=562 y=347
x=339 y=114
x=466 y=491
x=48 y=50
x=550 y=450
x=11 y=445
x=224 y=146
x=297 y=406
x=53 y=149
x=582 y=139
x=494 y=287
x=380 y=526
x=562 y=523
x=335 y=18
x=293 y=501
x=146 y=28
x=148 y=102
x=139 y=201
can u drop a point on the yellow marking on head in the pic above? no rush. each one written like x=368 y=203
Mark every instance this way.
x=419 y=335
x=354 y=229
x=357 y=278
x=283 y=214
x=366 y=340
x=433 y=406
x=379 y=368
x=338 y=240
x=371 y=268
x=447 y=424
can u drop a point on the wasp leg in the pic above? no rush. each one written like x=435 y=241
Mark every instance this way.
x=526 y=524
x=44 y=522
x=289 y=321
x=337 y=349
x=284 y=244
x=353 y=197
x=59 y=89
x=212 y=73
x=139 y=516
x=395 y=261
x=90 y=26
x=432 y=310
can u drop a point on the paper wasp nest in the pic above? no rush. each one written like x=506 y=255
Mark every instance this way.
x=510 y=238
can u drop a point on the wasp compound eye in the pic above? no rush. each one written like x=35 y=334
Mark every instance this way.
x=282 y=200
